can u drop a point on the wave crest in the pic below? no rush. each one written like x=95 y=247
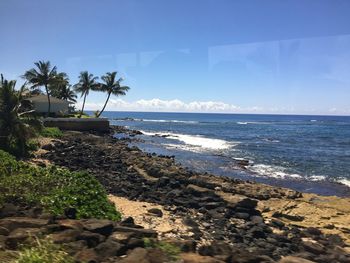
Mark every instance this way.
x=195 y=140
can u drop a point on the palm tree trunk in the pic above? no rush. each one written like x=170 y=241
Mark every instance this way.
x=82 y=109
x=48 y=100
x=109 y=94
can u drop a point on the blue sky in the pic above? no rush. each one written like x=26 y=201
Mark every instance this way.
x=196 y=55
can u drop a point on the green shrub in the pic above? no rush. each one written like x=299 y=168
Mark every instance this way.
x=170 y=250
x=32 y=145
x=7 y=163
x=44 y=251
x=52 y=132
x=55 y=189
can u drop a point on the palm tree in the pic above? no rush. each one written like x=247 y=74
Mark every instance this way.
x=43 y=75
x=86 y=83
x=14 y=118
x=111 y=86
x=68 y=94
x=62 y=89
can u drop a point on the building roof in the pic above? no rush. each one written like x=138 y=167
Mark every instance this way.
x=43 y=98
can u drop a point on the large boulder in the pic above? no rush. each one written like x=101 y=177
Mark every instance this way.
x=20 y=236
x=103 y=227
x=65 y=236
x=12 y=223
x=137 y=232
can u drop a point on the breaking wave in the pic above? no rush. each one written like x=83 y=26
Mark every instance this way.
x=194 y=140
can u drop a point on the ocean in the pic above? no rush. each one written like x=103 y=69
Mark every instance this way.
x=305 y=153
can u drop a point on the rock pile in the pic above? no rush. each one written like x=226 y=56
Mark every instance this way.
x=221 y=212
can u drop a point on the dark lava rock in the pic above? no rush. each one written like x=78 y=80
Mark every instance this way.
x=12 y=223
x=87 y=256
x=65 y=236
x=242 y=215
x=129 y=222
x=103 y=227
x=19 y=236
x=92 y=239
x=137 y=232
x=155 y=211
x=109 y=249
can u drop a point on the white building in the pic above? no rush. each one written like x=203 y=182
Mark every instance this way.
x=40 y=104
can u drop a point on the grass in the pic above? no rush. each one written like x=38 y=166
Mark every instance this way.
x=56 y=189
x=172 y=251
x=44 y=251
x=51 y=132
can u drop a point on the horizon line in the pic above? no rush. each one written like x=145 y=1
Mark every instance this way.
x=227 y=113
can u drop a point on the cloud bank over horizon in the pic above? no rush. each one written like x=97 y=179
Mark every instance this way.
x=176 y=105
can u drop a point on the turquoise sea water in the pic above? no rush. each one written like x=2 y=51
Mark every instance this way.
x=307 y=153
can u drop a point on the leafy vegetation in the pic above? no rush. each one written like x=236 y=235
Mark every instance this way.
x=86 y=83
x=42 y=75
x=112 y=86
x=52 y=132
x=44 y=251
x=17 y=122
x=56 y=189
x=62 y=89
x=170 y=250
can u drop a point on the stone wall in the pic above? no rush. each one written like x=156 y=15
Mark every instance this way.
x=78 y=124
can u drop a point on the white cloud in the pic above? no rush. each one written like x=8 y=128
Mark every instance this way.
x=176 y=105
x=166 y=106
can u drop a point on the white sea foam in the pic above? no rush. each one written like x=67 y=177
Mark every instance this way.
x=195 y=140
x=316 y=178
x=270 y=140
x=173 y=121
x=272 y=171
x=344 y=181
x=251 y=122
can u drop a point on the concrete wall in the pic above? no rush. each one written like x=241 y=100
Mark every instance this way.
x=55 y=107
x=78 y=124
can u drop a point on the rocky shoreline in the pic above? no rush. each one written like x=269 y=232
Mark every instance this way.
x=228 y=220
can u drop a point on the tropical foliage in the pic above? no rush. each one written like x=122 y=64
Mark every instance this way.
x=87 y=82
x=112 y=86
x=17 y=124
x=51 y=132
x=62 y=89
x=53 y=188
x=43 y=75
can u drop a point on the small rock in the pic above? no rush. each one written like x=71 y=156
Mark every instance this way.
x=87 y=256
x=241 y=215
x=313 y=247
x=256 y=219
x=288 y=216
x=4 y=231
x=155 y=211
x=129 y=221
